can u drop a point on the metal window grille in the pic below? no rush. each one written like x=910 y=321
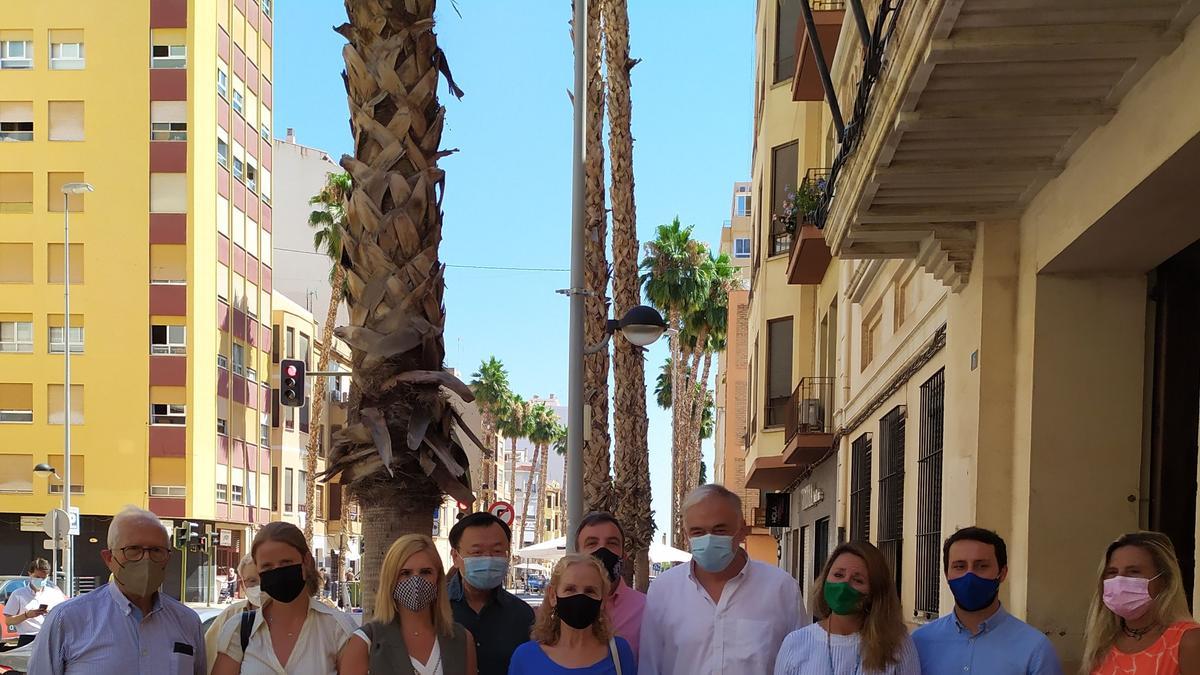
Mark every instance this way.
x=860 y=489
x=891 y=489
x=929 y=495
x=820 y=546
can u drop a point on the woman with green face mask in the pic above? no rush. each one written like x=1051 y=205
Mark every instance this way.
x=860 y=630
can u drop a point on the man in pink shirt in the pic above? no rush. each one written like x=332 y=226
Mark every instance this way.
x=601 y=536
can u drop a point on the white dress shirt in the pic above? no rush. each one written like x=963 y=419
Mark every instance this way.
x=324 y=632
x=684 y=632
x=103 y=633
x=25 y=598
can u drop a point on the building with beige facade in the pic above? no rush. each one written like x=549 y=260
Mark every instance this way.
x=995 y=314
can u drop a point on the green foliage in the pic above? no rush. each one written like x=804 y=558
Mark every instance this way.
x=490 y=385
x=674 y=274
x=329 y=221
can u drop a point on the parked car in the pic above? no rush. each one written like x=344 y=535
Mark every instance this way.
x=535 y=583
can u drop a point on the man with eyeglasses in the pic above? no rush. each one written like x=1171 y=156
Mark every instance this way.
x=127 y=625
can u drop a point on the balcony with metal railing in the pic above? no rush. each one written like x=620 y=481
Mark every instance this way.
x=827 y=16
x=808 y=431
x=809 y=254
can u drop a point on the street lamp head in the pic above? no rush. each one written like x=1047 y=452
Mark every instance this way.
x=77 y=188
x=45 y=470
x=642 y=325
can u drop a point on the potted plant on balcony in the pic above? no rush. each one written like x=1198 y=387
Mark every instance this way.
x=801 y=205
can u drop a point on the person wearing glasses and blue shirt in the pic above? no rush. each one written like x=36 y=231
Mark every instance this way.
x=126 y=625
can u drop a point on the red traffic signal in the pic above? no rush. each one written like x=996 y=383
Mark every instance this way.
x=291 y=385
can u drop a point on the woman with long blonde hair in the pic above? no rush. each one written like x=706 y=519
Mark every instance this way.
x=860 y=628
x=572 y=633
x=412 y=631
x=1139 y=620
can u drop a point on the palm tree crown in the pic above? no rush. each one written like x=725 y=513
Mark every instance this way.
x=674 y=275
x=490 y=385
x=329 y=221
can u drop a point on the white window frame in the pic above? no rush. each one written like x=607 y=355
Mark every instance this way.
x=176 y=57
x=222 y=492
x=222 y=426
x=62 y=62
x=10 y=62
x=265 y=132
x=239 y=366
x=266 y=8
x=168 y=131
x=222 y=361
x=175 y=345
x=236 y=494
x=264 y=433
x=238 y=102
x=223 y=83
x=17 y=130
x=738 y=210
x=13 y=343
x=168 y=415
x=16 y=416
x=168 y=491
x=56 y=346
x=251 y=176
x=737 y=252
x=222 y=159
x=239 y=169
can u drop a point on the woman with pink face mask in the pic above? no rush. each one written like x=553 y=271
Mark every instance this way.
x=1139 y=620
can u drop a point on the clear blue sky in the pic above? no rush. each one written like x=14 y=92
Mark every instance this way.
x=508 y=192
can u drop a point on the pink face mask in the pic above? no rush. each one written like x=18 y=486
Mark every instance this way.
x=1127 y=597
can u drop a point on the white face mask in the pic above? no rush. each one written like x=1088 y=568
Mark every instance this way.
x=255 y=595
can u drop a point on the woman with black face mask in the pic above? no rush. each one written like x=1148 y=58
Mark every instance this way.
x=412 y=631
x=572 y=634
x=294 y=634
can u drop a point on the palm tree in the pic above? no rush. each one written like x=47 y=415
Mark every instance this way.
x=513 y=422
x=328 y=222
x=399 y=452
x=597 y=474
x=676 y=280
x=546 y=430
x=540 y=433
x=631 y=452
x=490 y=385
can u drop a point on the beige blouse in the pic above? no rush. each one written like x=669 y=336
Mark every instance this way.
x=324 y=632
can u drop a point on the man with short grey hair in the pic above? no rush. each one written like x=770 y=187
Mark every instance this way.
x=723 y=612
x=127 y=625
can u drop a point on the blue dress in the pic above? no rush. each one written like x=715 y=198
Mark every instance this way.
x=529 y=659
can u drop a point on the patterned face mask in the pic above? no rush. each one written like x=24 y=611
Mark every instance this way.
x=414 y=593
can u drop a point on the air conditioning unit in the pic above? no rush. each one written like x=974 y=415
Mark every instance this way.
x=811 y=416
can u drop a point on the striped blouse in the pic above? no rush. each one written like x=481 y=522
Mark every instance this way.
x=812 y=651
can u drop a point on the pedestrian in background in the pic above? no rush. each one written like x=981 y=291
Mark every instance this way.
x=248 y=583
x=601 y=536
x=27 y=606
x=480 y=546
x=126 y=625
x=723 y=612
x=979 y=636
x=294 y=633
x=1139 y=620
x=413 y=631
x=573 y=633
x=861 y=629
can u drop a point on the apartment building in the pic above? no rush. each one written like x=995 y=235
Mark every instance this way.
x=165 y=108
x=1005 y=295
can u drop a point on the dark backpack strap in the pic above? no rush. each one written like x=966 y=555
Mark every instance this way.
x=247 y=627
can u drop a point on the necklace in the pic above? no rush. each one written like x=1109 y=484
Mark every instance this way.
x=1137 y=633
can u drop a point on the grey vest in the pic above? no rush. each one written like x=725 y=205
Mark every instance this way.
x=388 y=653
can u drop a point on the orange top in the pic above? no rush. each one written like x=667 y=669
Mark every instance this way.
x=1160 y=658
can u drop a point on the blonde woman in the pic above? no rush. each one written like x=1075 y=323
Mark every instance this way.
x=1139 y=620
x=572 y=634
x=413 y=632
x=294 y=633
x=860 y=628
x=252 y=598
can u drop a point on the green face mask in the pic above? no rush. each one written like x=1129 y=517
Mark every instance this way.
x=842 y=598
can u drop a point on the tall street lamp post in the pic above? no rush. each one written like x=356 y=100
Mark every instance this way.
x=68 y=555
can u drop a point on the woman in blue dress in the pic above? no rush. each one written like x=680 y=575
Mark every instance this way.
x=572 y=635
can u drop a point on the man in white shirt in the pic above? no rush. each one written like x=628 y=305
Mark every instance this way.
x=27 y=606
x=723 y=612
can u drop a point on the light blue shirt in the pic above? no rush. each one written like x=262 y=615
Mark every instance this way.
x=1005 y=645
x=103 y=633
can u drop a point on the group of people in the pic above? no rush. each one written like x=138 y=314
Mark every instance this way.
x=721 y=613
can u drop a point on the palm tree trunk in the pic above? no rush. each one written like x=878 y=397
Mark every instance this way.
x=512 y=474
x=389 y=512
x=697 y=416
x=540 y=527
x=343 y=548
x=677 y=432
x=317 y=404
x=487 y=495
x=597 y=479
x=529 y=483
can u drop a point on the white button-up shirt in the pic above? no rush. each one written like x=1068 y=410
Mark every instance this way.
x=25 y=598
x=103 y=633
x=324 y=632
x=684 y=632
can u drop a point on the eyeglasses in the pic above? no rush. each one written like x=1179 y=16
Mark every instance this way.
x=157 y=554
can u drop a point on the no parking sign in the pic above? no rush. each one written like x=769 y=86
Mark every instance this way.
x=504 y=511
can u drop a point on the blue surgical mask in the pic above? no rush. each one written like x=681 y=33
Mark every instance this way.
x=712 y=552
x=37 y=584
x=485 y=572
x=974 y=593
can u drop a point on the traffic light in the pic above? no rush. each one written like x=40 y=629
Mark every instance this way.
x=193 y=534
x=291 y=382
x=179 y=536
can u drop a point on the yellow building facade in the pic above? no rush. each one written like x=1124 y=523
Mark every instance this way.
x=1004 y=292
x=170 y=264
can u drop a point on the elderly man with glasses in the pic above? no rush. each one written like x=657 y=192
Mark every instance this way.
x=127 y=625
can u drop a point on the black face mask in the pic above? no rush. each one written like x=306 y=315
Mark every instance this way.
x=611 y=561
x=577 y=611
x=283 y=584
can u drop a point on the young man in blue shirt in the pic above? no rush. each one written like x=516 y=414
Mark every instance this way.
x=979 y=637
